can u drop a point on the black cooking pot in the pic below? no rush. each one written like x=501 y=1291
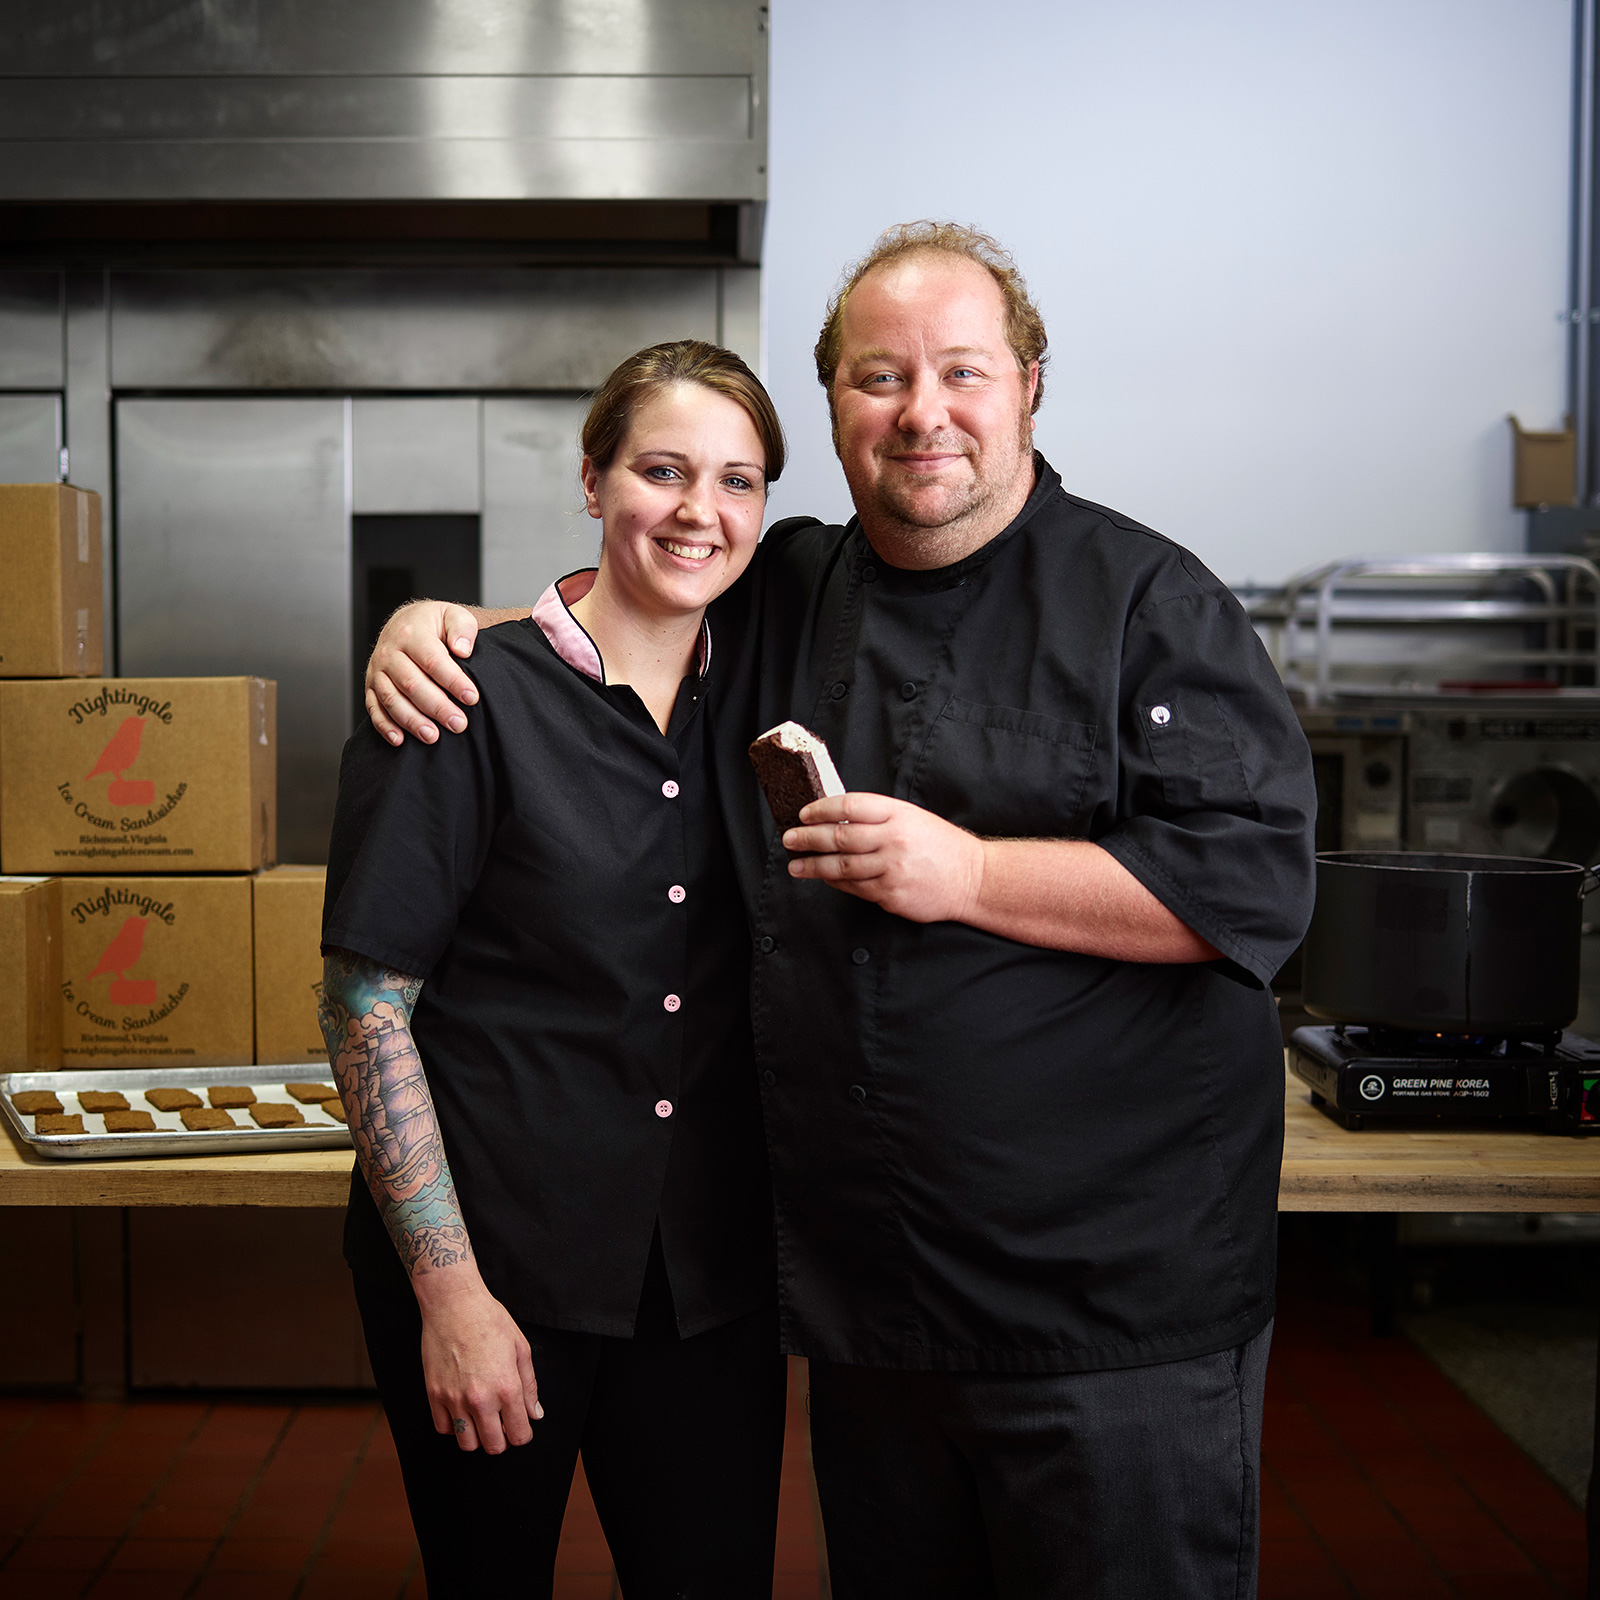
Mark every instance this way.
x=1445 y=943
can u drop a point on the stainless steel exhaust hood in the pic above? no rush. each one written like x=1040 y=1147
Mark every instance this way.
x=382 y=100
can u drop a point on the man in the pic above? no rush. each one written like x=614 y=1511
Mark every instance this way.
x=1020 y=1065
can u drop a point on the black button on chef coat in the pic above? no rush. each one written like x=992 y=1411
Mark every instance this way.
x=526 y=870
x=988 y=1155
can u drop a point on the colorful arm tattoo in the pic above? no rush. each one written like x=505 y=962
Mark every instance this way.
x=365 y=1013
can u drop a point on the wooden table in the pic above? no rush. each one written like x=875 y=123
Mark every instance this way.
x=1328 y=1168
x=292 y=1178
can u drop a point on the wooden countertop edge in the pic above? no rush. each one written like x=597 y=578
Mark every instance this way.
x=1319 y=1189
x=31 y=1187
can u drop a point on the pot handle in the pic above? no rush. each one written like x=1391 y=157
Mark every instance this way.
x=1591 y=880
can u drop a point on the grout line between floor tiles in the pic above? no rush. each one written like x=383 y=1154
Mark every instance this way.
x=243 y=1500
x=67 y=1482
x=23 y=1424
x=338 y=1501
x=144 y=1505
x=1360 y=1467
x=408 y=1574
x=1270 y=1471
x=1449 y=1466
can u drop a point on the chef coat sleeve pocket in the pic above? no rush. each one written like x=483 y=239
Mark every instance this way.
x=1194 y=751
x=1004 y=771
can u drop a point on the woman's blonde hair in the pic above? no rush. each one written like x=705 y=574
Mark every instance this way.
x=647 y=372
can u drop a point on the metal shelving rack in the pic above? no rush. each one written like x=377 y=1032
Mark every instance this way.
x=1553 y=599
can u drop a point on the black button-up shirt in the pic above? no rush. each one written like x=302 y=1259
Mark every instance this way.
x=559 y=874
x=988 y=1155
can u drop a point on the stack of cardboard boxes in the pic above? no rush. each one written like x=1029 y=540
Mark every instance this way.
x=143 y=921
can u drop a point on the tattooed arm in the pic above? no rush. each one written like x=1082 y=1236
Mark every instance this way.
x=477 y=1364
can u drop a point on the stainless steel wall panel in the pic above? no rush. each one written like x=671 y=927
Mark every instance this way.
x=114 y=38
x=535 y=528
x=530 y=329
x=740 y=321
x=30 y=438
x=498 y=107
x=416 y=456
x=31 y=331
x=367 y=170
x=234 y=556
x=88 y=417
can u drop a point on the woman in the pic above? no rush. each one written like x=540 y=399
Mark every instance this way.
x=535 y=1006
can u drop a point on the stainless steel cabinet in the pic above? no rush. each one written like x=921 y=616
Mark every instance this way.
x=30 y=438
x=535 y=528
x=233 y=556
x=234 y=541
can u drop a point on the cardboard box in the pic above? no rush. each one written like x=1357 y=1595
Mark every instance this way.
x=138 y=775
x=30 y=974
x=50 y=624
x=156 y=972
x=288 y=912
x=1544 y=466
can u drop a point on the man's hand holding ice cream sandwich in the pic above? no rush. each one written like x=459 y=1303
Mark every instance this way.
x=891 y=852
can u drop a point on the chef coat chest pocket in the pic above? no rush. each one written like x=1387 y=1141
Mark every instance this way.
x=1005 y=771
x=1194 y=750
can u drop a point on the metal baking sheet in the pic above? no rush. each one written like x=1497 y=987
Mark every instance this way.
x=171 y=1138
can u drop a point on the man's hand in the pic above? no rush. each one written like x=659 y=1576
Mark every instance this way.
x=411 y=674
x=1059 y=894
x=476 y=1363
x=893 y=853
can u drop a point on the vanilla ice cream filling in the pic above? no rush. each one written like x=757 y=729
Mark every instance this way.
x=802 y=742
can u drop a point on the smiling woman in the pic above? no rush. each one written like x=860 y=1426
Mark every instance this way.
x=536 y=997
x=680 y=500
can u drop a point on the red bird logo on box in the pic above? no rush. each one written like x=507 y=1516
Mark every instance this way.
x=124 y=952
x=120 y=753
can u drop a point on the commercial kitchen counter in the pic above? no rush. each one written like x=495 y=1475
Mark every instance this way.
x=1325 y=1168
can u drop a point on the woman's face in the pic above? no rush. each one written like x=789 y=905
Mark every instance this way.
x=682 y=501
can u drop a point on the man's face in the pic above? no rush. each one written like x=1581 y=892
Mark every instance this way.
x=931 y=412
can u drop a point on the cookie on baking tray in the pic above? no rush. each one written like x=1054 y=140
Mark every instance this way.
x=171 y=1099
x=275 y=1114
x=335 y=1109
x=206 y=1119
x=30 y=1102
x=48 y=1122
x=231 y=1094
x=102 y=1100
x=310 y=1094
x=130 y=1122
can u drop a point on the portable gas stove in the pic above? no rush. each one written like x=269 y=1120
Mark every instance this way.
x=1356 y=1073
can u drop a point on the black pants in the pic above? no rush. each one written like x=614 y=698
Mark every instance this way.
x=682 y=1442
x=1141 y=1484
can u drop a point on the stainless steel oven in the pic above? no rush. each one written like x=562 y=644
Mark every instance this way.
x=1360 y=758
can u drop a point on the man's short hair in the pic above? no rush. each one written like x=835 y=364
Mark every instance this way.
x=1023 y=325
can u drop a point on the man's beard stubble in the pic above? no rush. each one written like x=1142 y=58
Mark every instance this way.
x=896 y=500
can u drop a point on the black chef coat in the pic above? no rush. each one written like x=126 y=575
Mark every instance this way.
x=559 y=874
x=986 y=1155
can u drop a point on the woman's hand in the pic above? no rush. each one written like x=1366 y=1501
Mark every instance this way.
x=475 y=1361
x=412 y=674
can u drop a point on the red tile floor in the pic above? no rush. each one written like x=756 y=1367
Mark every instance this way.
x=1380 y=1480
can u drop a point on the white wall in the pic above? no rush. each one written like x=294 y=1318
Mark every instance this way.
x=1297 y=260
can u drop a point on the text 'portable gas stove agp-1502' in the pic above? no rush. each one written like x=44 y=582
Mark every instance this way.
x=1361 y=1073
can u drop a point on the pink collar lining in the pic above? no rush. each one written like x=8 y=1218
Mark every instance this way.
x=567 y=636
